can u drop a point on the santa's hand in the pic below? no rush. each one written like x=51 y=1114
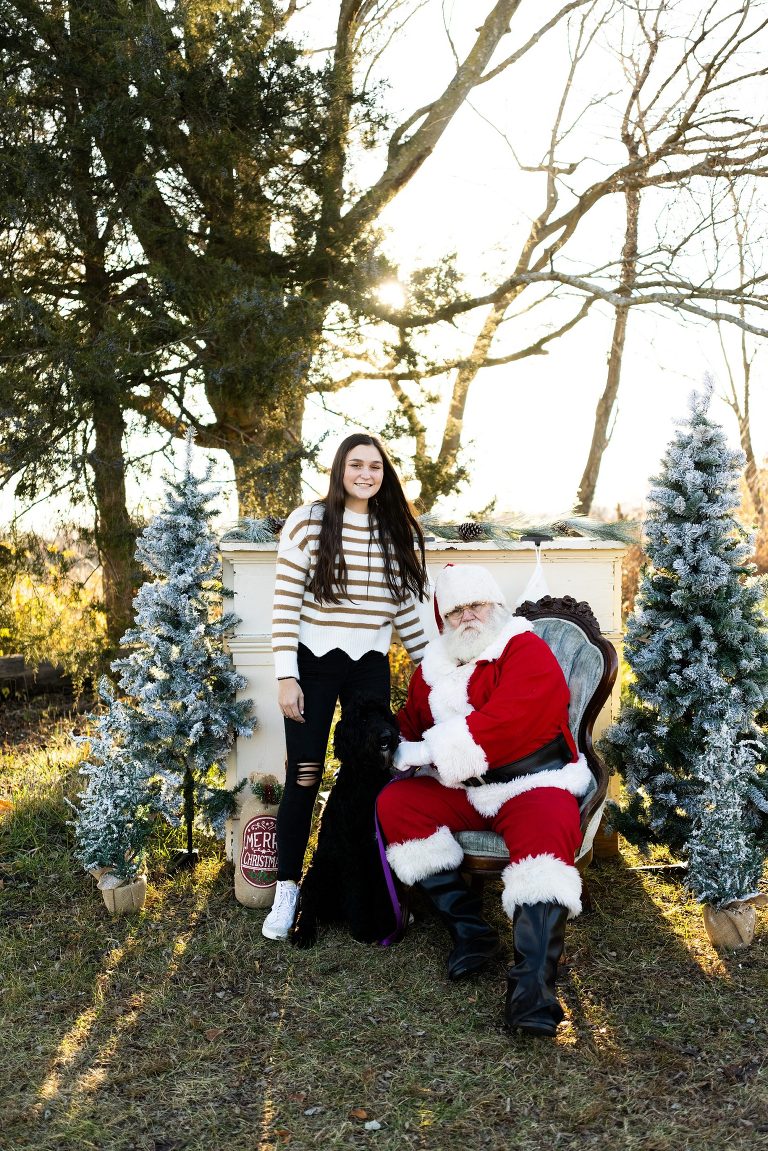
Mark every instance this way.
x=411 y=755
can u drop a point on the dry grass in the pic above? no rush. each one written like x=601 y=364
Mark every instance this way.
x=182 y=1028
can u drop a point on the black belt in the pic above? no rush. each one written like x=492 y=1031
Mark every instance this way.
x=548 y=758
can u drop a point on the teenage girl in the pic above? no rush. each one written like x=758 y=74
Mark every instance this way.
x=348 y=569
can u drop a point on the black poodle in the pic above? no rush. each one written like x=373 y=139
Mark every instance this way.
x=345 y=881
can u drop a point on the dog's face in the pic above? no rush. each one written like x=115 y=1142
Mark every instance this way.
x=367 y=734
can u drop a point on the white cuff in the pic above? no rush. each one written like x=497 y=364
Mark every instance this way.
x=411 y=754
x=541 y=879
x=286 y=664
x=454 y=752
x=417 y=858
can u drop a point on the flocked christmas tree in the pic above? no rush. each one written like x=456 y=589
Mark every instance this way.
x=720 y=830
x=118 y=806
x=160 y=747
x=697 y=646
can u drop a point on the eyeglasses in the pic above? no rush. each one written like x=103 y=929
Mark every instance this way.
x=474 y=608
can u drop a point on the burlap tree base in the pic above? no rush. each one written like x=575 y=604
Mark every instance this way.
x=125 y=897
x=732 y=927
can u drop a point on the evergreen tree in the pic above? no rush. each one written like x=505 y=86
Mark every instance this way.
x=697 y=648
x=116 y=811
x=161 y=748
x=718 y=830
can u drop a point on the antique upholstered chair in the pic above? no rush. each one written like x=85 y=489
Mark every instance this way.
x=590 y=664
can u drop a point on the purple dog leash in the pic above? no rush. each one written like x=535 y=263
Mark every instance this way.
x=400 y=922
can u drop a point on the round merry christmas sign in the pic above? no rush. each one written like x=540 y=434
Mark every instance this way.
x=258 y=854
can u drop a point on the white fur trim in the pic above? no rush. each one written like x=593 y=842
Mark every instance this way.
x=515 y=625
x=465 y=583
x=450 y=695
x=541 y=879
x=454 y=752
x=417 y=858
x=574 y=777
x=437 y=663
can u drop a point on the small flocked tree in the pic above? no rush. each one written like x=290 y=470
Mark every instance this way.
x=720 y=829
x=161 y=746
x=698 y=650
x=116 y=811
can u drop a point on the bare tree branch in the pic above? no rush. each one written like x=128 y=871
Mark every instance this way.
x=409 y=154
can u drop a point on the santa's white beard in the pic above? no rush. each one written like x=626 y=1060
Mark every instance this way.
x=468 y=640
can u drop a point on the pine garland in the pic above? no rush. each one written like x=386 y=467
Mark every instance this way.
x=254 y=531
x=268 y=529
x=490 y=531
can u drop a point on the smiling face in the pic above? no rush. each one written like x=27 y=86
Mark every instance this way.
x=363 y=476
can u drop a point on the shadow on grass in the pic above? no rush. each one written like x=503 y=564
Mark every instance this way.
x=182 y=1028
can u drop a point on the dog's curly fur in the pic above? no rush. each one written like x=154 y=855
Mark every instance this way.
x=345 y=882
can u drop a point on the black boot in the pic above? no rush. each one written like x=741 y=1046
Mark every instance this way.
x=539 y=937
x=474 y=941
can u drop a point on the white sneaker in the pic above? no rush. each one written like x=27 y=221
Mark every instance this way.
x=280 y=919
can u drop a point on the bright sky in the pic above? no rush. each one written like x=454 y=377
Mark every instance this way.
x=528 y=424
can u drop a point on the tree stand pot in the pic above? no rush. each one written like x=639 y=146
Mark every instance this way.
x=731 y=927
x=126 y=898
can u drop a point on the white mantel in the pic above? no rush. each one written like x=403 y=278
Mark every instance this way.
x=583 y=568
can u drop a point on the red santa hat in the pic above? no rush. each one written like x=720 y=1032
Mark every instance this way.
x=462 y=584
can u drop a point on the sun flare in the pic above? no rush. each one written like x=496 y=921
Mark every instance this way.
x=391 y=293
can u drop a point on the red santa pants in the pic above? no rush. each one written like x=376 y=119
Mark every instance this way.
x=544 y=820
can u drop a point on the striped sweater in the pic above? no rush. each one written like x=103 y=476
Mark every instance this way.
x=360 y=623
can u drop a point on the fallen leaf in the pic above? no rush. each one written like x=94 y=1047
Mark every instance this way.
x=213 y=1033
x=358 y=1113
x=297 y=1097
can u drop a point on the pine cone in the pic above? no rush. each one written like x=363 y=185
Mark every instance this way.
x=470 y=531
x=275 y=525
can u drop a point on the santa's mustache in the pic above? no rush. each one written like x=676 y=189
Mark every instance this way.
x=471 y=636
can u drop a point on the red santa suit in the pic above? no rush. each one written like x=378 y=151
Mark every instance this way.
x=508 y=702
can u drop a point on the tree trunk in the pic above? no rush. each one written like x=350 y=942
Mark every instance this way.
x=751 y=470
x=267 y=483
x=752 y=474
x=607 y=401
x=440 y=477
x=115 y=536
x=267 y=461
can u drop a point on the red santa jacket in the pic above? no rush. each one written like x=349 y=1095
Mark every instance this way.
x=507 y=703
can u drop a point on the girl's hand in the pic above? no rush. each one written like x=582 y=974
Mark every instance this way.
x=290 y=698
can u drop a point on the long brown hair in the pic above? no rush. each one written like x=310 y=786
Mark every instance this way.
x=393 y=521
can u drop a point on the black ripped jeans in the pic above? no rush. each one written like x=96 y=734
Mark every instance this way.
x=324 y=679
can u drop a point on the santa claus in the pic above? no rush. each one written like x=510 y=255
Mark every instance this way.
x=485 y=728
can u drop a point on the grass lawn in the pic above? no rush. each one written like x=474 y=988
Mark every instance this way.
x=182 y=1028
